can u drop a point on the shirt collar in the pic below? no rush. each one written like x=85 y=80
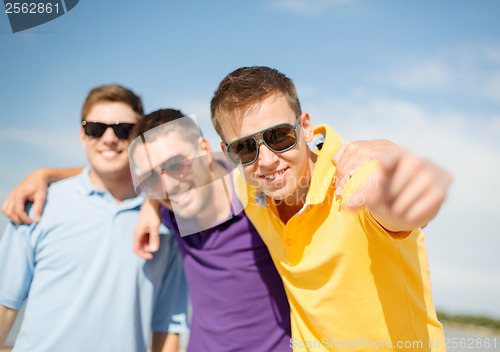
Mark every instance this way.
x=324 y=169
x=86 y=188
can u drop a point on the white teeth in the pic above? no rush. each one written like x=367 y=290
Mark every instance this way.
x=275 y=175
x=178 y=197
x=109 y=153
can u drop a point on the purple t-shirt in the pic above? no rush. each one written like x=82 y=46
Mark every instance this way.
x=238 y=299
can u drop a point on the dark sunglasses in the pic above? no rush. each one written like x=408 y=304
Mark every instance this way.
x=97 y=129
x=278 y=138
x=176 y=166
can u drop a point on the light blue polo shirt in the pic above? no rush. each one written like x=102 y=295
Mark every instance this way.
x=86 y=289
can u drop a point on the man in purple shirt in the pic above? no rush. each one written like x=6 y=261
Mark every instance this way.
x=238 y=299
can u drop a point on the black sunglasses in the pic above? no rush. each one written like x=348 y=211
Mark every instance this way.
x=97 y=129
x=278 y=138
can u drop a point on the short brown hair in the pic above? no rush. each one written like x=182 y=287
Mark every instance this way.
x=169 y=120
x=247 y=86
x=186 y=126
x=112 y=93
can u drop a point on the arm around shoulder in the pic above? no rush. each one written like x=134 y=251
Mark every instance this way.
x=33 y=189
x=146 y=235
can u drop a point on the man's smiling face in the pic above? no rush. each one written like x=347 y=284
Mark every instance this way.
x=108 y=154
x=186 y=192
x=282 y=176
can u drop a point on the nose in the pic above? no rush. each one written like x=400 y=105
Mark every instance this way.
x=170 y=183
x=267 y=157
x=109 y=136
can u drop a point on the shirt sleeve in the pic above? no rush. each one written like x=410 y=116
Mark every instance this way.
x=170 y=311
x=17 y=263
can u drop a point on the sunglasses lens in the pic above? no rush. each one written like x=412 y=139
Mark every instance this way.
x=94 y=129
x=177 y=166
x=97 y=129
x=280 y=138
x=243 y=151
x=149 y=182
x=122 y=130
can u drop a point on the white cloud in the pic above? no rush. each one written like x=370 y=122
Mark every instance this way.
x=63 y=143
x=430 y=74
x=493 y=128
x=491 y=53
x=473 y=71
x=492 y=86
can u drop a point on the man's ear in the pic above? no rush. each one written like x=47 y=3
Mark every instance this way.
x=307 y=126
x=83 y=139
x=205 y=145
x=223 y=147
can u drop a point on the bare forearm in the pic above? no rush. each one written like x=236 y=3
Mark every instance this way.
x=154 y=204
x=165 y=342
x=7 y=317
x=146 y=235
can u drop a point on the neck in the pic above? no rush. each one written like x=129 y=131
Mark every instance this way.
x=119 y=186
x=286 y=211
x=217 y=206
x=289 y=206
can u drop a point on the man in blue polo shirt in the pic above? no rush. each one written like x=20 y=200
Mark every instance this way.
x=86 y=289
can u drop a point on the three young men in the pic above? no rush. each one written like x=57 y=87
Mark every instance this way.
x=353 y=262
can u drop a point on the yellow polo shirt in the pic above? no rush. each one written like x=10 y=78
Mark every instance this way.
x=350 y=284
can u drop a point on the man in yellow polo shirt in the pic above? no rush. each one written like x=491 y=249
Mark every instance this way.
x=353 y=261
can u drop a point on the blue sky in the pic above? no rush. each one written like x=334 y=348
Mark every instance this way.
x=425 y=74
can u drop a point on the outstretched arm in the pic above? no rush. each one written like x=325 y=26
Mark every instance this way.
x=405 y=193
x=350 y=157
x=33 y=189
